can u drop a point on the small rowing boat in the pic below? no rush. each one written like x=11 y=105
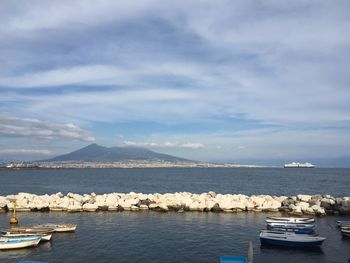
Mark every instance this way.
x=31 y=229
x=45 y=233
x=343 y=222
x=239 y=259
x=44 y=236
x=233 y=259
x=290 y=239
x=18 y=242
x=296 y=228
x=58 y=227
x=290 y=220
x=345 y=232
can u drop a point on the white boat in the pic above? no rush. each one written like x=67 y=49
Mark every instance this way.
x=290 y=239
x=299 y=165
x=58 y=227
x=290 y=220
x=44 y=236
x=18 y=242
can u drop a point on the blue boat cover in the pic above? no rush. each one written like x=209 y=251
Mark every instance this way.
x=233 y=259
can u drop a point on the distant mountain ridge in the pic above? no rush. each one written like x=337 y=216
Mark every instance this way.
x=98 y=153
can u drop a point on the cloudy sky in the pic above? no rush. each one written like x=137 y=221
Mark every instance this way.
x=243 y=81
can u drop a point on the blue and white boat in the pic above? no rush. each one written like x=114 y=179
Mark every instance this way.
x=296 y=228
x=19 y=242
x=290 y=239
x=290 y=220
x=343 y=222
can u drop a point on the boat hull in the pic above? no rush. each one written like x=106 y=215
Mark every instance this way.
x=233 y=259
x=290 y=220
x=59 y=227
x=287 y=243
x=44 y=237
x=295 y=230
x=289 y=239
x=16 y=243
x=345 y=232
x=343 y=223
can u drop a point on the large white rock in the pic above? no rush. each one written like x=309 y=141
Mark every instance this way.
x=303 y=205
x=271 y=205
x=304 y=198
x=90 y=207
x=318 y=210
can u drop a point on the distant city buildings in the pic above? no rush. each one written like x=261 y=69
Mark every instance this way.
x=122 y=164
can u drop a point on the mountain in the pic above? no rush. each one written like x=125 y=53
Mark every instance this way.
x=97 y=153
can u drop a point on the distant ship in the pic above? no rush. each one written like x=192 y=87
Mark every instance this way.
x=299 y=165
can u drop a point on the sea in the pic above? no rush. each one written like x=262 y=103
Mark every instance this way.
x=149 y=236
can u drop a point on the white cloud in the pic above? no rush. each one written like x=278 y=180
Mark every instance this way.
x=19 y=127
x=25 y=151
x=164 y=145
x=192 y=145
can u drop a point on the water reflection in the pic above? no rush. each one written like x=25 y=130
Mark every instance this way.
x=168 y=237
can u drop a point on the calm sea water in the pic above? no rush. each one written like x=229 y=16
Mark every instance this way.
x=172 y=237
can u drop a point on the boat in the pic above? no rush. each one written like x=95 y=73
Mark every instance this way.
x=290 y=239
x=45 y=233
x=233 y=259
x=343 y=222
x=296 y=228
x=290 y=220
x=239 y=259
x=345 y=232
x=299 y=165
x=58 y=227
x=31 y=229
x=18 y=242
x=44 y=236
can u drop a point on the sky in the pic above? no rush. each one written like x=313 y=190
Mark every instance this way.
x=234 y=81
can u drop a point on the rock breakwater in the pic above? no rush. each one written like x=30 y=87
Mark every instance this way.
x=318 y=205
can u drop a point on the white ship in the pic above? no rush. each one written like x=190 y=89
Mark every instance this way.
x=299 y=165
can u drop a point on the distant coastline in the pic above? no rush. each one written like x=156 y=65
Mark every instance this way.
x=126 y=164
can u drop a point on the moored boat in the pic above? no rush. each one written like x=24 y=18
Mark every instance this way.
x=290 y=220
x=45 y=233
x=343 y=222
x=31 y=229
x=296 y=228
x=18 y=242
x=44 y=236
x=290 y=239
x=239 y=259
x=345 y=232
x=58 y=227
x=233 y=259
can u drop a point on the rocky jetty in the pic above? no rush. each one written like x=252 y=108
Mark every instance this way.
x=318 y=205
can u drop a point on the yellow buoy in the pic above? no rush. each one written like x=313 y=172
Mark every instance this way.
x=13 y=219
